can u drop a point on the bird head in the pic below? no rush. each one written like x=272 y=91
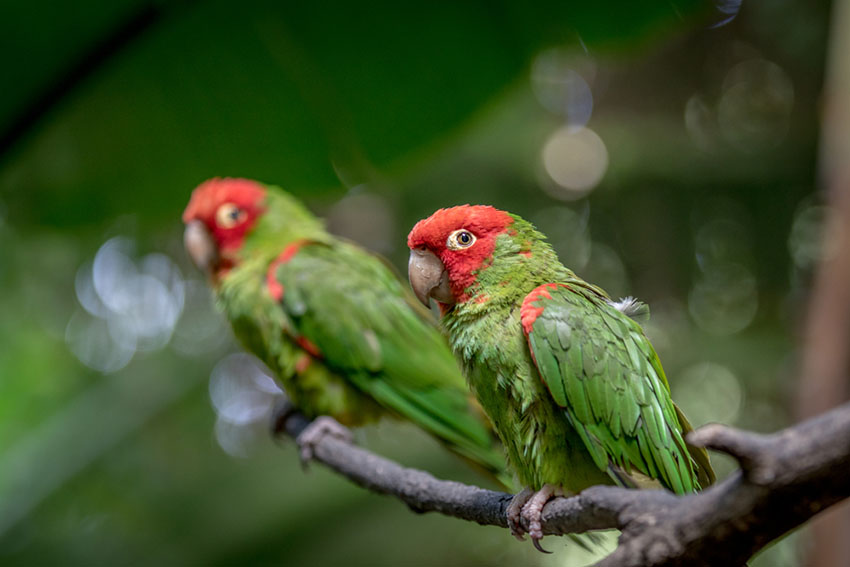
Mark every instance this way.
x=449 y=248
x=220 y=213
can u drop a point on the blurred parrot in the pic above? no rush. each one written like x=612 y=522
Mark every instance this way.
x=344 y=337
x=575 y=389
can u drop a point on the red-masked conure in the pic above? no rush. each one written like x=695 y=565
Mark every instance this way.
x=575 y=390
x=341 y=333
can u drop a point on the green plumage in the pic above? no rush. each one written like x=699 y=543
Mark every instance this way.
x=377 y=352
x=574 y=387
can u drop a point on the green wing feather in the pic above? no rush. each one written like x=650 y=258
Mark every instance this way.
x=358 y=314
x=598 y=365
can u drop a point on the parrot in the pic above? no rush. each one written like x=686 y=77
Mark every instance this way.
x=573 y=386
x=339 y=330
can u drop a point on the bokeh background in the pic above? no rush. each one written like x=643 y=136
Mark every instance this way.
x=667 y=148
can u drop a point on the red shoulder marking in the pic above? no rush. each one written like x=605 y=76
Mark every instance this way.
x=308 y=346
x=529 y=313
x=274 y=286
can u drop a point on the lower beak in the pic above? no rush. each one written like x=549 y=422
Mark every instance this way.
x=201 y=247
x=428 y=277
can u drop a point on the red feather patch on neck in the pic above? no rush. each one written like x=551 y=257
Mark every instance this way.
x=209 y=196
x=484 y=222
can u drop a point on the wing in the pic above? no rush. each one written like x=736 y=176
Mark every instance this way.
x=356 y=313
x=598 y=365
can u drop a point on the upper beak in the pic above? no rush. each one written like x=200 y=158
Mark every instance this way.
x=428 y=277
x=201 y=247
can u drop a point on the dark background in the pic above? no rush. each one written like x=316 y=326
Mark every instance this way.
x=668 y=153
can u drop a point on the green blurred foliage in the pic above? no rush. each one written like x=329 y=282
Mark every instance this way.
x=375 y=117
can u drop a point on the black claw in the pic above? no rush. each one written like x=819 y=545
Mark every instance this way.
x=536 y=543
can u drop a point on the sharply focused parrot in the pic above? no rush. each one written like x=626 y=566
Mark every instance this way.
x=344 y=337
x=575 y=390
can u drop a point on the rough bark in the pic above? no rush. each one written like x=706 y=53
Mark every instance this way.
x=785 y=478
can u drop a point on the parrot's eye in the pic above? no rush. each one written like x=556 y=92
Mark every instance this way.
x=229 y=215
x=460 y=239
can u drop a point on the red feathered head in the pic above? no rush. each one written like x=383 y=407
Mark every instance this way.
x=449 y=246
x=219 y=214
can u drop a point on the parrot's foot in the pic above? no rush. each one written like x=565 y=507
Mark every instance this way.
x=514 y=512
x=529 y=505
x=316 y=431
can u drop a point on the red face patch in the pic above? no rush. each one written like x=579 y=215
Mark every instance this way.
x=228 y=208
x=484 y=223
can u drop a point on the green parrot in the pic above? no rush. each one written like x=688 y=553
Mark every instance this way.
x=575 y=390
x=344 y=337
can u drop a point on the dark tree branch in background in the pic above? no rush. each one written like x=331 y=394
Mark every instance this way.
x=826 y=338
x=123 y=35
x=785 y=479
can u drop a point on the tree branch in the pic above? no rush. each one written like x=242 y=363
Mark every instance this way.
x=826 y=332
x=785 y=479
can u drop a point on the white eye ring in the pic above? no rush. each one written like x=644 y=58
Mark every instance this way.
x=228 y=215
x=460 y=239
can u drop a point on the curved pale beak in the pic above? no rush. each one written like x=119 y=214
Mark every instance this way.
x=428 y=277
x=201 y=247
